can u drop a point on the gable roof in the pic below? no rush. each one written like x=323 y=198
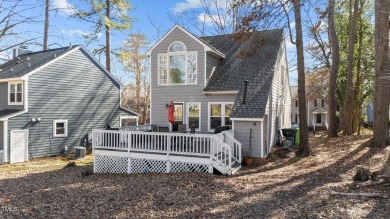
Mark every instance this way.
x=254 y=60
x=294 y=92
x=311 y=92
x=9 y=113
x=28 y=63
x=25 y=63
x=209 y=47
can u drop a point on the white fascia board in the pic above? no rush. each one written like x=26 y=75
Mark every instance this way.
x=5 y=118
x=206 y=47
x=247 y=119
x=130 y=111
x=24 y=77
x=11 y=79
x=100 y=65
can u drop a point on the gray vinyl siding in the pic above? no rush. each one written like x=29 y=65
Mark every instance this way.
x=278 y=109
x=73 y=88
x=242 y=134
x=4 y=98
x=1 y=135
x=211 y=64
x=161 y=95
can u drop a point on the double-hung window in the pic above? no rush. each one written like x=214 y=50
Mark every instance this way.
x=15 y=93
x=178 y=66
x=219 y=114
x=60 y=128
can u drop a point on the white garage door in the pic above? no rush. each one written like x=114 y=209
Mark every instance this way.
x=19 y=146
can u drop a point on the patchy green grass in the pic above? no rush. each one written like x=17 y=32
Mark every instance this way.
x=47 y=163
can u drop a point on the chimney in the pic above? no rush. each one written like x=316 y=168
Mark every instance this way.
x=245 y=90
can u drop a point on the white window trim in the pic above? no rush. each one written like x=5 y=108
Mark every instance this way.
x=9 y=92
x=167 y=55
x=222 y=113
x=65 y=127
x=188 y=113
x=319 y=102
x=128 y=117
x=158 y=68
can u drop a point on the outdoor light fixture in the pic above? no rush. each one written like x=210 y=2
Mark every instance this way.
x=35 y=119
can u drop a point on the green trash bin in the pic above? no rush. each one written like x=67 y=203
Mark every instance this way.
x=290 y=135
x=297 y=137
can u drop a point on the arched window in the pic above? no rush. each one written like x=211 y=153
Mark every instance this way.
x=177 y=66
x=177 y=47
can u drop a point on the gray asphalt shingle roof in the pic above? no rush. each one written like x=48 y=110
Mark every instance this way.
x=25 y=63
x=253 y=60
x=7 y=112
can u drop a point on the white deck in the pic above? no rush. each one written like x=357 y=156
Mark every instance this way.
x=133 y=151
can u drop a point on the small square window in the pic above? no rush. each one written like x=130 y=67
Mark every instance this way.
x=15 y=93
x=60 y=128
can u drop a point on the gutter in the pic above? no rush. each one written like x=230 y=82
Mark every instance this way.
x=219 y=92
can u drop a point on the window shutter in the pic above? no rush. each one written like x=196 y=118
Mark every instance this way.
x=315 y=103
x=322 y=103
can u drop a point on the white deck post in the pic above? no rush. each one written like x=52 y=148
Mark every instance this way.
x=94 y=139
x=168 y=151
x=129 y=169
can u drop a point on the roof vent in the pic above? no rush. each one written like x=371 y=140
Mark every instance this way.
x=23 y=49
x=245 y=90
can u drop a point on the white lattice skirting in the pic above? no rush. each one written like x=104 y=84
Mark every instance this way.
x=1 y=157
x=116 y=164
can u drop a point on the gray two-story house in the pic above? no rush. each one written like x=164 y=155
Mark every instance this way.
x=51 y=100
x=204 y=77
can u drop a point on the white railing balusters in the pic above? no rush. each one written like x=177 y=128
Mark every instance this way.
x=221 y=148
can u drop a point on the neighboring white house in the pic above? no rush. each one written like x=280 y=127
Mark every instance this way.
x=317 y=109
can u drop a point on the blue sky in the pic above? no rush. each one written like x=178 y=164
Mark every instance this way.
x=65 y=31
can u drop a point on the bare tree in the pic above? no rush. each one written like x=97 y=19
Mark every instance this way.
x=133 y=59
x=12 y=15
x=212 y=17
x=382 y=73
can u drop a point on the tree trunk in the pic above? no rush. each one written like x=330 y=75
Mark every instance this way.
x=359 y=77
x=108 y=43
x=348 y=101
x=304 y=149
x=334 y=42
x=382 y=73
x=46 y=27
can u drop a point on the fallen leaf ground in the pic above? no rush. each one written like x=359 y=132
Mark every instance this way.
x=282 y=188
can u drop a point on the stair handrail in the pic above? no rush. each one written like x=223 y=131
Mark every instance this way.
x=235 y=145
x=220 y=144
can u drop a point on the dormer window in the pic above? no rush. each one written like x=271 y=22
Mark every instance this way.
x=15 y=93
x=178 y=66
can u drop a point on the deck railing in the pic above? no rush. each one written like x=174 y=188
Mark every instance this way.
x=222 y=147
x=234 y=144
x=136 y=128
x=173 y=143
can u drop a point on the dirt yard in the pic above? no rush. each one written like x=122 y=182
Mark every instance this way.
x=283 y=188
